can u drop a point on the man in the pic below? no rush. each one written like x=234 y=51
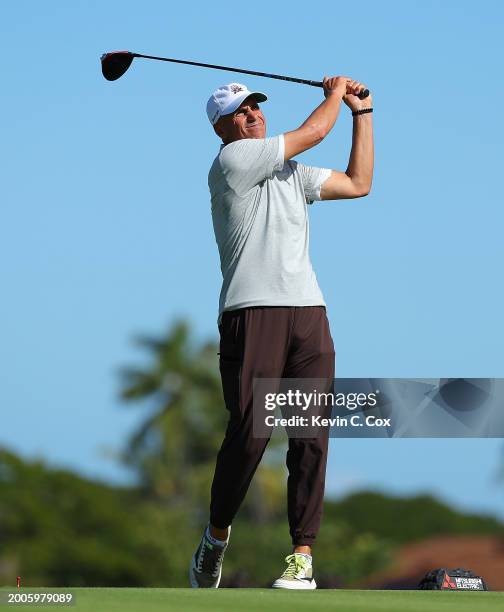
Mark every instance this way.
x=272 y=317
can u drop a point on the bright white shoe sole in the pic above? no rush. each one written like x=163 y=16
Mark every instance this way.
x=299 y=585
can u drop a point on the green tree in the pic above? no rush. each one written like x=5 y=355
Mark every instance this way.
x=57 y=528
x=175 y=448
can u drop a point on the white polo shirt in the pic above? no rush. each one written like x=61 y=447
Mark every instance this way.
x=260 y=219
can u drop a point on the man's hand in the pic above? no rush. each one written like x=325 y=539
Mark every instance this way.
x=348 y=89
x=335 y=86
x=351 y=98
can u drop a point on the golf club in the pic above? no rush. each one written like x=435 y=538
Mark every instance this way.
x=115 y=63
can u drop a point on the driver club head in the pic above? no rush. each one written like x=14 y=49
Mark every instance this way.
x=115 y=63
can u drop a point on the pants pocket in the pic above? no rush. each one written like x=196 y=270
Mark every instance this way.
x=230 y=371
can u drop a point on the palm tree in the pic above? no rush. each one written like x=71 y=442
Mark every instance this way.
x=174 y=449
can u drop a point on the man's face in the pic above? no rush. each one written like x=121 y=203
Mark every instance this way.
x=247 y=121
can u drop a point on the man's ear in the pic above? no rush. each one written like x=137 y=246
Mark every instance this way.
x=218 y=129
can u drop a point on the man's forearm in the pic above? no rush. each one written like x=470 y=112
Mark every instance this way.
x=324 y=117
x=360 y=165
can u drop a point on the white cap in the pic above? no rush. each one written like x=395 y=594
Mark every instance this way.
x=228 y=98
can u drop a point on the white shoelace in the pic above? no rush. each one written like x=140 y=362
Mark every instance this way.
x=218 y=557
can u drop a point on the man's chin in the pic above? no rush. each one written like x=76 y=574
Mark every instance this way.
x=257 y=134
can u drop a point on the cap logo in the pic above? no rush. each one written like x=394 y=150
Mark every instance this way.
x=236 y=88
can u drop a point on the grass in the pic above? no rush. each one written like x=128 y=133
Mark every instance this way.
x=255 y=600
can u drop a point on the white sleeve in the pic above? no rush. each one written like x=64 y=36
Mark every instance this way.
x=246 y=163
x=313 y=179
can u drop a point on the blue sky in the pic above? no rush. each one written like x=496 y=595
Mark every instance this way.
x=105 y=228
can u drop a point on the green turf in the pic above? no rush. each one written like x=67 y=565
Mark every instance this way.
x=252 y=600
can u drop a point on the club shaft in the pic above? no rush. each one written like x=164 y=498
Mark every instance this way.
x=240 y=70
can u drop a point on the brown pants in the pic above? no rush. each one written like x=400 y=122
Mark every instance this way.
x=271 y=342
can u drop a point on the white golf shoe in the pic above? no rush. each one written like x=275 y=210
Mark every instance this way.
x=298 y=575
